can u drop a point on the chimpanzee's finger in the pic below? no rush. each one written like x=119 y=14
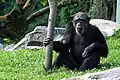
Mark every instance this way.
x=84 y=54
x=47 y=39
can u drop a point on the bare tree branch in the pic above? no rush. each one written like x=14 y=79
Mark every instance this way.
x=3 y=18
x=46 y=9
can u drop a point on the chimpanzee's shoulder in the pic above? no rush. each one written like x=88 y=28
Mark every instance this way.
x=93 y=27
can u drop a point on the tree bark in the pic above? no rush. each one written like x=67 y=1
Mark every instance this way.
x=50 y=30
x=3 y=18
x=113 y=18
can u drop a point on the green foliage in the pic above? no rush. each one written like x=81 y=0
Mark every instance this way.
x=63 y=15
x=98 y=10
x=3 y=0
x=65 y=12
x=43 y=2
x=7 y=5
x=40 y=21
x=6 y=40
x=28 y=64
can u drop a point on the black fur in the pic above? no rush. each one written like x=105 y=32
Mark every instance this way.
x=81 y=51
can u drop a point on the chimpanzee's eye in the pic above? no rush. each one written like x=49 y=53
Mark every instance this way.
x=77 y=21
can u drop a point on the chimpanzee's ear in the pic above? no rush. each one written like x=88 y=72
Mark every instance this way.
x=71 y=17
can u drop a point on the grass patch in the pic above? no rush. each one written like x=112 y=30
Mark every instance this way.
x=28 y=64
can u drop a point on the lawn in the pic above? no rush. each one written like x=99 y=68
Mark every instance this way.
x=28 y=64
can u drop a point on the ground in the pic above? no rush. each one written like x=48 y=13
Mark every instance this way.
x=28 y=64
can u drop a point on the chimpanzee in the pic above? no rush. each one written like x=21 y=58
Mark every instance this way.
x=82 y=44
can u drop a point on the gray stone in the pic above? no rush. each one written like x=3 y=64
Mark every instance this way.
x=1 y=46
x=111 y=74
x=107 y=27
x=35 y=38
x=9 y=47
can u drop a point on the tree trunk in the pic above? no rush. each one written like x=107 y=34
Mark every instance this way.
x=113 y=18
x=50 y=30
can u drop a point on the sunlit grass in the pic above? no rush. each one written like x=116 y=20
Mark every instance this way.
x=28 y=64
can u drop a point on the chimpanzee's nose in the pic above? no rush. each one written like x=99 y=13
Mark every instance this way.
x=79 y=24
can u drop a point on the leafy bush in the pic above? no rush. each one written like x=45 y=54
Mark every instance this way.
x=98 y=9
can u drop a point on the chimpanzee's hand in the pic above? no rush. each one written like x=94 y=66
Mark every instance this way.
x=85 y=53
x=46 y=41
x=87 y=50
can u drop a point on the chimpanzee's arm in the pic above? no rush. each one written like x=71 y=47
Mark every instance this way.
x=88 y=50
x=64 y=43
x=60 y=46
x=100 y=44
x=98 y=47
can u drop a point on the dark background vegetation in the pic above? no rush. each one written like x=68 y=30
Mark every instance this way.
x=103 y=9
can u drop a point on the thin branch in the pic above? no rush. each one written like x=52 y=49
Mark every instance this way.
x=46 y=9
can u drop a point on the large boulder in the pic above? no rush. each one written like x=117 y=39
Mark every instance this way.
x=107 y=27
x=35 y=38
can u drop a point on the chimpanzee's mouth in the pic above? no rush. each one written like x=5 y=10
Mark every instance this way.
x=79 y=30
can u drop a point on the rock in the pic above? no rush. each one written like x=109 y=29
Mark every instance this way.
x=34 y=43
x=107 y=27
x=9 y=47
x=35 y=38
x=1 y=46
x=111 y=74
x=34 y=47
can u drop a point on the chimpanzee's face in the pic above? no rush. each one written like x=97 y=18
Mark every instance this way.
x=80 y=26
x=80 y=22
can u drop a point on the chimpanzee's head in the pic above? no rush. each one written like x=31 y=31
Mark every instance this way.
x=80 y=22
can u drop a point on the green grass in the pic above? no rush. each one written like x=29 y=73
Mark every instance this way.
x=28 y=64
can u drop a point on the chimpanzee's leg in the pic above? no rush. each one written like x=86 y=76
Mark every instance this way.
x=66 y=60
x=90 y=62
x=58 y=61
